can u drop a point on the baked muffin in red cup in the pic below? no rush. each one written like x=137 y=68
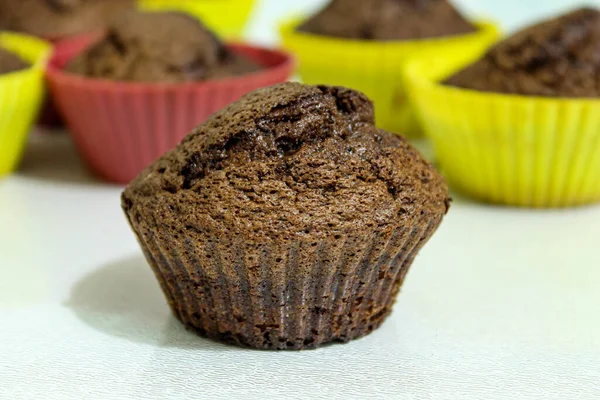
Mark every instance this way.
x=133 y=93
x=56 y=20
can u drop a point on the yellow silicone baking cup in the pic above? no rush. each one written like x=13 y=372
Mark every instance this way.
x=509 y=149
x=21 y=95
x=226 y=17
x=375 y=68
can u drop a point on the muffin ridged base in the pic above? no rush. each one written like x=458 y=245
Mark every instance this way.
x=296 y=295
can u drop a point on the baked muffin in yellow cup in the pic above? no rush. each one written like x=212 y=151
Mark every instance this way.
x=342 y=56
x=521 y=125
x=21 y=93
x=225 y=17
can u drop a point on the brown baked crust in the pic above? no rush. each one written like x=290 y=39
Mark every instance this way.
x=10 y=62
x=556 y=58
x=287 y=220
x=59 y=18
x=388 y=20
x=159 y=47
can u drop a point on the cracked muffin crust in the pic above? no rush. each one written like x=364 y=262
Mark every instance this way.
x=287 y=220
x=556 y=58
x=388 y=20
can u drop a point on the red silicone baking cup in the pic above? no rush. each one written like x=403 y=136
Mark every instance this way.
x=122 y=127
x=49 y=115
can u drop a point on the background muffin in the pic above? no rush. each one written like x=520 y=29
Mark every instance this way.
x=228 y=18
x=556 y=58
x=364 y=45
x=55 y=20
x=519 y=126
x=133 y=93
x=160 y=47
x=59 y=18
x=287 y=220
x=388 y=20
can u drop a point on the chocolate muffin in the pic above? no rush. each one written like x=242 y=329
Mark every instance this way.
x=59 y=18
x=10 y=62
x=160 y=47
x=556 y=58
x=287 y=220
x=388 y=20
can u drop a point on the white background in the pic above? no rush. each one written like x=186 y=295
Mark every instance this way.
x=501 y=304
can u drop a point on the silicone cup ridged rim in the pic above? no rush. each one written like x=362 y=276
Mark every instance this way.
x=265 y=295
x=512 y=150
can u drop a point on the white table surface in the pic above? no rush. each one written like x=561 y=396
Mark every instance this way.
x=501 y=304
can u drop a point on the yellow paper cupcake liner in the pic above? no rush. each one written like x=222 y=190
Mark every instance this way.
x=21 y=95
x=375 y=68
x=509 y=149
x=225 y=17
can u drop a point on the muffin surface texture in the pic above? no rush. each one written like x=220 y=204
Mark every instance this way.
x=287 y=220
x=159 y=47
x=388 y=20
x=556 y=58
x=58 y=18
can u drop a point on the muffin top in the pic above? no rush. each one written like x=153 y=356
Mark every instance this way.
x=556 y=58
x=57 y=18
x=388 y=20
x=10 y=62
x=289 y=161
x=159 y=47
